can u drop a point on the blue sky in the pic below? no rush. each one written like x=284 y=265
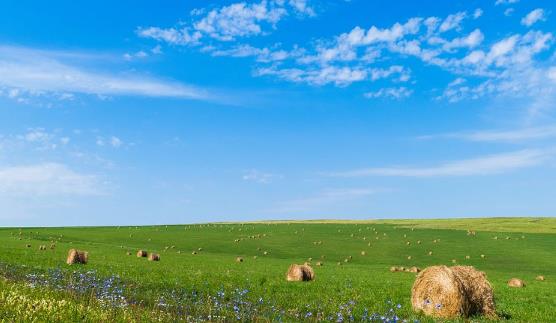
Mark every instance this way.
x=133 y=112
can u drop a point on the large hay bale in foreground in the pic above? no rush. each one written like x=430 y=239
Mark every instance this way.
x=77 y=257
x=450 y=292
x=300 y=273
x=516 y=282
x=141 y=253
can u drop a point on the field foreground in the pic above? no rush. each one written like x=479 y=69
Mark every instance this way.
x=199 y=279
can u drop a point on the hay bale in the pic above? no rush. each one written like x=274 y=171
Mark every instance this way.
x=451 y=292
x=540 y=278
x=154 y=257
x=300 y=273
x=141 y=253
x=128 y=253
x=319 y=263
x=394 y=269
x=239 y=259
x=363 y=253
x=77 y=257
x=430 y=253
x=414 y=269
x=516 y=282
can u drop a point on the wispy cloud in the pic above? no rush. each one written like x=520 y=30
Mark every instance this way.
x=514 y=135
x=47 y=179
x=30 y=72
x=486 y=165
x=325 y=199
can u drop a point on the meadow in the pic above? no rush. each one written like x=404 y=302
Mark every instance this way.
x=198 y=277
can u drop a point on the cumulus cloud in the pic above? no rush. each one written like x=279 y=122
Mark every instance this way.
x=532 y=17
x=395 y=93
x=228 y=23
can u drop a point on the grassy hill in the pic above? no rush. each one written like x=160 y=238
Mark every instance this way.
x=211 y=285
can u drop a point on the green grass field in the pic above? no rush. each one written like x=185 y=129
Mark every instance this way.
x=212 y=286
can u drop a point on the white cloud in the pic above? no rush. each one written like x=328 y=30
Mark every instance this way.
x=508 y=12
x=452 y=22
x=228 y=23
x=532 y=17
x=35 y=73
x=477 y=13
x=260 y=177
x=48 y=179
x=395 y=93
x=487 y=165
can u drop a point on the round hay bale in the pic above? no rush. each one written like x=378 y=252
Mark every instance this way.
x=239 y=259
x=516 y=282
x=141 y=253
x=254 y=257
x=28 y=245
x=154 y=257
x=540 y=278
x=408 y=257
x=319 y=263
x=458 y=291
x=77 y=257
x=414 y=269
x=483 y=256
x=394 y=269
x=300 y=273
x=128 y=253
x=194 y=253
x=467 y=257
x=363 y=253
x=430 y=253
x=265 y=253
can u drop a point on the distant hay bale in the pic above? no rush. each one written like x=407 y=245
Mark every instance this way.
x=516 y=282
x=414 y=269
x=394 y=269
x=77 y=257
x=408 y=257
x=454 y=261
x=467 y=257
x=300 y=273
x=141 y=253
x=430 y=253
x=28 y=245
x=194 y=253
x=128 y=253
x=154 y=257
x=52 y=246
x=265 y=253
x=451 y=292
x=363 y=253
x=239 y=259
x=483 y=256
x=540 y=278
x=319 y=263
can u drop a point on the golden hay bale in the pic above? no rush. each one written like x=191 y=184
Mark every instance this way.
x=430 y=253
x=450 y=292
x=300 y=273
x=141 y=253
x=516 y=282
x=154 y=257
x=414 y=269
x=483 y=256
x=540 y=278
x=363 y=253
x=408 y=257
x=394 y=269
x=77 y=257
x=128 y=253
x=239 y=259
x=194 y=253
x=319 y=263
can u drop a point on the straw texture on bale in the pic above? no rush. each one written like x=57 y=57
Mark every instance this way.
x=141 y=253
x=77 y=257
x=450 y=292
x=516 y=282
x=154 y=257
x=300 y=273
